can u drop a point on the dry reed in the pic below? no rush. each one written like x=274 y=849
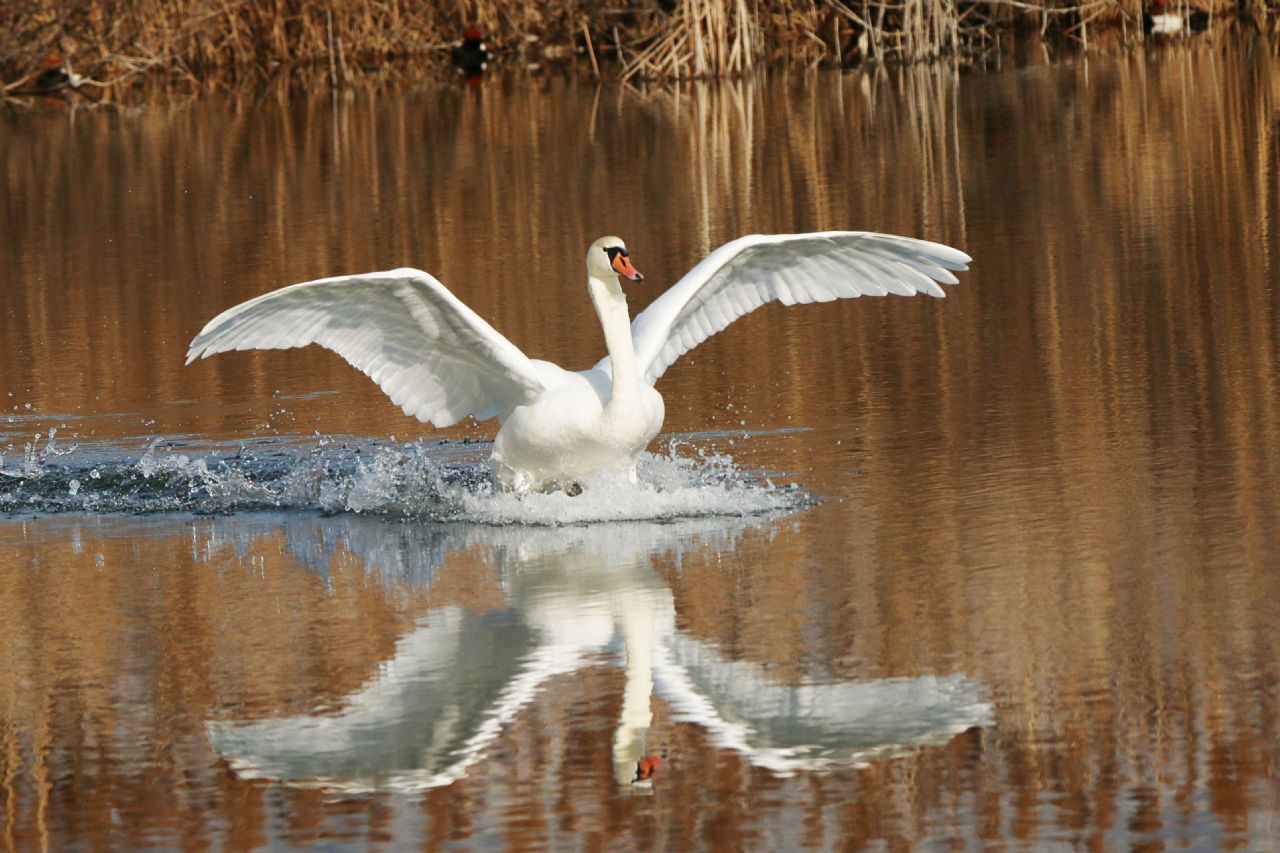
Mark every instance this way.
x=203 y=41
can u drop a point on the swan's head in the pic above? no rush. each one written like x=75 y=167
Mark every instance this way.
x=608 y=256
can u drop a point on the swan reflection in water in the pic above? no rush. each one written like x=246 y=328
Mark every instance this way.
x=574 y=596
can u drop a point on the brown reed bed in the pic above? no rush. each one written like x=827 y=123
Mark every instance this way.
x=111 y=43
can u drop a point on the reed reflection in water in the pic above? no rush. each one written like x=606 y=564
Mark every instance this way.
x=490 y=191
x=1060 y=483
x=530 y=674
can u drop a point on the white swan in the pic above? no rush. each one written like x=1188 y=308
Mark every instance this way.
x=439 y=361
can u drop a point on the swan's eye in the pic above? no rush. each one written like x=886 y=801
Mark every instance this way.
x=614 y=251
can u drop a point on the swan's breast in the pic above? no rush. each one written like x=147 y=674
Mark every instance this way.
x=567 y=413
x=569 y=432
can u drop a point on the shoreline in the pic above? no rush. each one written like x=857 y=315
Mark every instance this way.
x=185 y=46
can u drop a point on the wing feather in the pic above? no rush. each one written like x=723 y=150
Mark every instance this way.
x=432 y=355
x=746 y=273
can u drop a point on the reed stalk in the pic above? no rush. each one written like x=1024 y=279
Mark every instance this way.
x=196 y=41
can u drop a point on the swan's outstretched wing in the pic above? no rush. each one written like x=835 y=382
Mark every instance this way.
x=431 y=354
x=742 y=275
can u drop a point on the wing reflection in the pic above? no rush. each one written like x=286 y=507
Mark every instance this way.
x=575 y=596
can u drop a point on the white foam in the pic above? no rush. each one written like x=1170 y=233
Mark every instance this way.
x=669 y=487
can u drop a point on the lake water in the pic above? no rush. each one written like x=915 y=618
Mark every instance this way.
x=995 y=570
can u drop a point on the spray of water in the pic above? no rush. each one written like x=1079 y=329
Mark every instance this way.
x=433 y=481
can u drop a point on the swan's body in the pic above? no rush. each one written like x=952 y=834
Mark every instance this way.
x=571 y=432
x=439 y=361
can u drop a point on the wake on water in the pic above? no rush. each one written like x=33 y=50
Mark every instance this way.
x=443 y=481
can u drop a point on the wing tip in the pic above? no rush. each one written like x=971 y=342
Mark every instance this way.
x=195 y=351
x=951 y=258
x=401 y=272
x=948 y=257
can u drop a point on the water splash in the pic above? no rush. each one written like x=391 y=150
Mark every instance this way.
x=441 y=481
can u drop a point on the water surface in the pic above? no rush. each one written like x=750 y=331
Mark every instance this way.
x=995 y=570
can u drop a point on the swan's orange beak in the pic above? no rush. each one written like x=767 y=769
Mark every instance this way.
x=622 y=266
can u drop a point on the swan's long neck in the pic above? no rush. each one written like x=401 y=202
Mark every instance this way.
x=611 y=305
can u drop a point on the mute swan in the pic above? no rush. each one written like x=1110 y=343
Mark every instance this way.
x=439 y=361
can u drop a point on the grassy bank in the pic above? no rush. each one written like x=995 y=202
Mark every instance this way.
x=114 y=41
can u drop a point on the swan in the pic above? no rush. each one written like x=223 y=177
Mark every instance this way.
x=440 y=361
